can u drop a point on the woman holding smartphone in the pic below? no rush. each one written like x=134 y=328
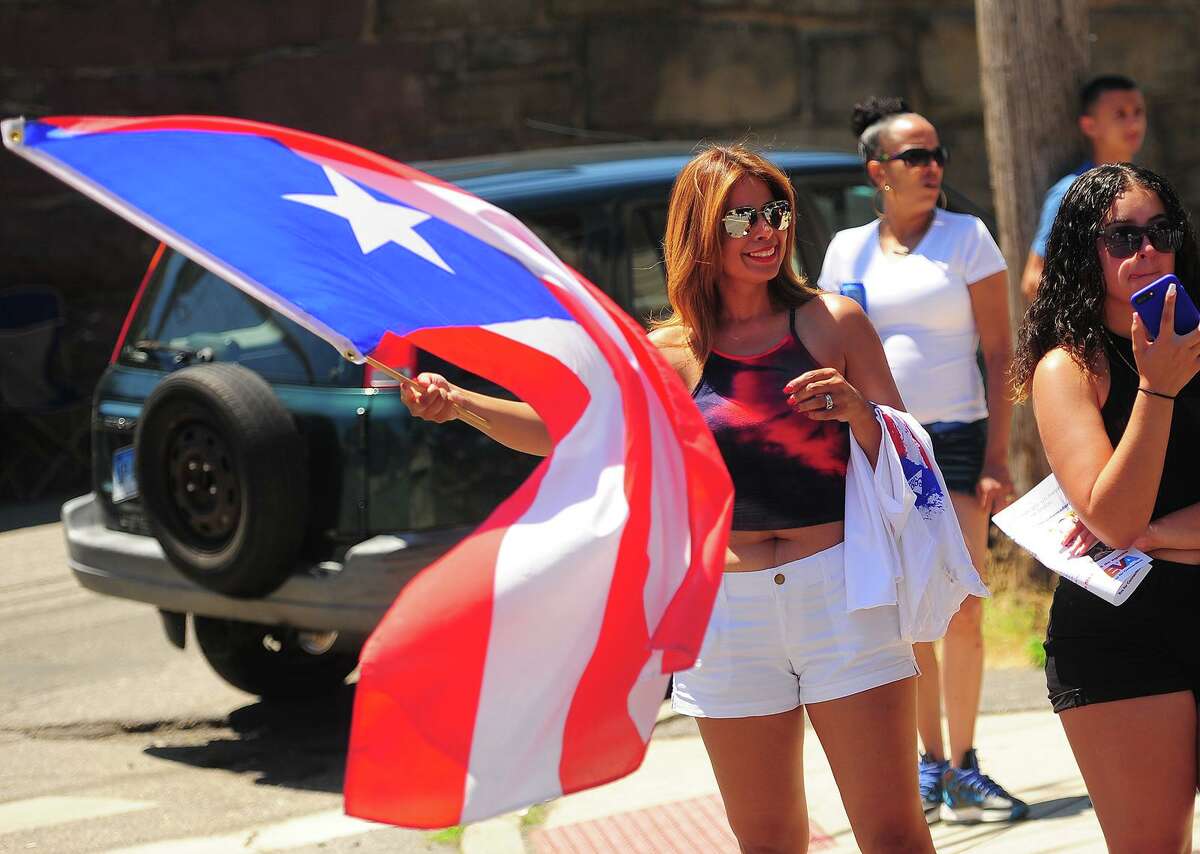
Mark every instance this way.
x=936 y=290
x=782 y=374
x=1119 y=417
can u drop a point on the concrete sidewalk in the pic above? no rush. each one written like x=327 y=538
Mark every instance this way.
x=671 y=804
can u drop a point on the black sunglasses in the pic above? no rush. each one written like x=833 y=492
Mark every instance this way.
x=1124 y=241
x=739 y=221
x=919 y=156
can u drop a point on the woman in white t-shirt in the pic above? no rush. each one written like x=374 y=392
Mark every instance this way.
x=934 y=285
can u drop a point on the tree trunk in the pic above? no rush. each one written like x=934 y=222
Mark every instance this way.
x=1033 y=55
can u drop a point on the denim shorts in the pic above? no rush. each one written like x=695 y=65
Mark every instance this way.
x=781 y=637
x=958 y=447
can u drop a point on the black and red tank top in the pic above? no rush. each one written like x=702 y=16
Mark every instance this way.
x=788 y=470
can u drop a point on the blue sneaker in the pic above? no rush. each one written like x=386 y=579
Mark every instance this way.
x=969 y=795
x=929 y=778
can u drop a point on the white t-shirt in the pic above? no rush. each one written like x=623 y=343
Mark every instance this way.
x=921 y=308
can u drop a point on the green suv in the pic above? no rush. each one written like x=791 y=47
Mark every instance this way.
x=247 y=475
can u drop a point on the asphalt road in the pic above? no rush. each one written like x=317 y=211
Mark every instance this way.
x=113 y=739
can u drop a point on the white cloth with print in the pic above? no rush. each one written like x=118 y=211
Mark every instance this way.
x=899 y=552
x=920 y=305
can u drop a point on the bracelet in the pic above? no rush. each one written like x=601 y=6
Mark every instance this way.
x=1156 y=393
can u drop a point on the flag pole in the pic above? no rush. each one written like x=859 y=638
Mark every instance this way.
x=465 y=414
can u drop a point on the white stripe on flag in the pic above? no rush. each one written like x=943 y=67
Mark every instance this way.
x=669 y=547
x=542 y=640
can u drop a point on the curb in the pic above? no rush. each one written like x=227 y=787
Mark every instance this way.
x=501 y=835
x=1007 y=690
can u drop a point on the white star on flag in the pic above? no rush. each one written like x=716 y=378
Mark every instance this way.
x=373 y=222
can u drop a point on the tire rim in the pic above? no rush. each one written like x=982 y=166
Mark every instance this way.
x=203 y=483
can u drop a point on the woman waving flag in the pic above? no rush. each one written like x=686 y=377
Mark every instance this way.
x=530 y=660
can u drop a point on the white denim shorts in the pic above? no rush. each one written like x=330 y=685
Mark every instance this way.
x=780 y=637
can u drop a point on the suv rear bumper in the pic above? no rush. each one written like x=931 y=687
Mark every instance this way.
x=350 y=599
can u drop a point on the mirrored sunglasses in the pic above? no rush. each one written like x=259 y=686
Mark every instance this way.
x=1124 y=241
x=739 y=221
x=919 y=156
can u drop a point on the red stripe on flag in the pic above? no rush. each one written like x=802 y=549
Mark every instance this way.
x=137 y=301
x=414 y=710
x=422 y=668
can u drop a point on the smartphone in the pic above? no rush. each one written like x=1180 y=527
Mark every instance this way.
x=1148 y=303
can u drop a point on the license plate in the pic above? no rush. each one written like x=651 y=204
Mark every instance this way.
x=124 y=478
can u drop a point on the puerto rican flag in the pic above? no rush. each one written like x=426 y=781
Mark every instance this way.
x=531 y=659
x=917 y=467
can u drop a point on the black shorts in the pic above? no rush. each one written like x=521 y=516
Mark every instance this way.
x=958 y=447
x=1097 y=652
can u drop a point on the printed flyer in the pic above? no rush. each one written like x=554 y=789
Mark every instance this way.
x=1039 y=520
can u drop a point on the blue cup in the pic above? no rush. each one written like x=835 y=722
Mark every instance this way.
x=855 y=291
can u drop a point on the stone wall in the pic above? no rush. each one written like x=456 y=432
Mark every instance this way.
x=437 y=78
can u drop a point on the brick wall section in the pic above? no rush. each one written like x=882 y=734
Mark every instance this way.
x=443 y=78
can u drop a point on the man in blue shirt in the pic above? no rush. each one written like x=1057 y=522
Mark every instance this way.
x=1112 y=116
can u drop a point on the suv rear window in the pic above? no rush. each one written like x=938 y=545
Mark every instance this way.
x=648 y=285
x=840 y=204
x=562 y=231
x=187 y=309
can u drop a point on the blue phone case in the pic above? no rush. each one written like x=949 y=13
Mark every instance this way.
x=1148 y=303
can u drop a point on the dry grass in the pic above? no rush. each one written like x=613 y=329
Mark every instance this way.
x=1014 y=618
x=447 y=835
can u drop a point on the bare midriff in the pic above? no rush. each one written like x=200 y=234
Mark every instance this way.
x=750 y=551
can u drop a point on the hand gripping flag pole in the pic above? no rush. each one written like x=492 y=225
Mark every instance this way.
x=467 y=415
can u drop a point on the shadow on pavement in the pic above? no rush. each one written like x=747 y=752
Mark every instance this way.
x=1059 y=807
x=297 y=744
x=962 y=837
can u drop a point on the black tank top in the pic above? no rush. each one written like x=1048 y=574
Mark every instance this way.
x=1180 y=484
x=788 y=470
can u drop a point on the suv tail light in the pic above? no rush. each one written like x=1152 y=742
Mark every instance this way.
x=137 y=300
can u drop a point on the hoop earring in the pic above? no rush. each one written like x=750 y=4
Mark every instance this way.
x=877 y=200
x=943 y=201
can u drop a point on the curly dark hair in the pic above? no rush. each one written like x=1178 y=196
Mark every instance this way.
x=871 y=112
x=1069 y=309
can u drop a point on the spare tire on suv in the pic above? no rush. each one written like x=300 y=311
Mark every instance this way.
x=223 y=475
